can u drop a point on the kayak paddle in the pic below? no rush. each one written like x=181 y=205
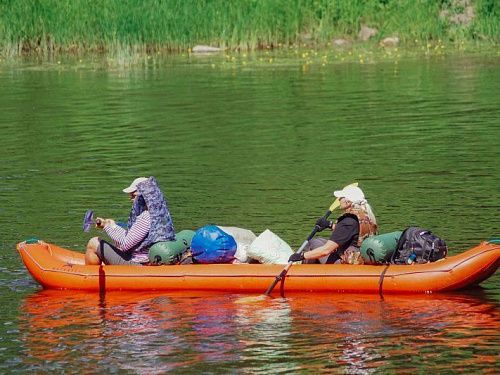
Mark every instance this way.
x=283 y=273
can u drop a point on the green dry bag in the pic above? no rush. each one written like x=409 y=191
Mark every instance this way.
x=169 y=252
x=379 y=249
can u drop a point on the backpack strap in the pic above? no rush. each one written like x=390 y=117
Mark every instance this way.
x=431 y=251
x=427 y=253
x=399 y=245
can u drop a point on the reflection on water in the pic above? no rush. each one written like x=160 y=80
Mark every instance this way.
x=163 y=332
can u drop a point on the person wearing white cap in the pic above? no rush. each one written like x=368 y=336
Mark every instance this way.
x=133 y=186
x=351 y=228
x=149 y=222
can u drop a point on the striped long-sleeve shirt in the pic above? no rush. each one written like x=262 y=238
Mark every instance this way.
x=126 y=240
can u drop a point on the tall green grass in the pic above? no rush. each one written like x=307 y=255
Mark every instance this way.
x=107 y=25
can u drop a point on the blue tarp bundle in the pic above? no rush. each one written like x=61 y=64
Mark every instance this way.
x=211 y=244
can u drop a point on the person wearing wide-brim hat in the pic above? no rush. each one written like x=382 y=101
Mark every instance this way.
x=149 y=222
x=355 y=224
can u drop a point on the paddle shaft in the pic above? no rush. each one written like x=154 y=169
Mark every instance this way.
x=301 y=248
x=283 y=273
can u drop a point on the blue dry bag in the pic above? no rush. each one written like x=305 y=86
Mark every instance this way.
x=210 y=244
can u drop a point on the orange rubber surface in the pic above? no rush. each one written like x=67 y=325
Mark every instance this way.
x=57 y=268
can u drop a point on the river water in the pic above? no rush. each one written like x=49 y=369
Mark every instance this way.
x=257 y=142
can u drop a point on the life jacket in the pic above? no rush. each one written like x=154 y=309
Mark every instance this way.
x=162 y=227
x=366 y=226
x=349 y=253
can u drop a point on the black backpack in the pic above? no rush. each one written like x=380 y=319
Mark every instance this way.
x=419 y=244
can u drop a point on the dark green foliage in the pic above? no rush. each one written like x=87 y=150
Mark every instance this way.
x=99 y=25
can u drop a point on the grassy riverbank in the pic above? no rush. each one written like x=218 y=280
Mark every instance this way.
x=46 y=26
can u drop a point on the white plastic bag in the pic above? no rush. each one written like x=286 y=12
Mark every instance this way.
x=243 y=238
x=269 y=248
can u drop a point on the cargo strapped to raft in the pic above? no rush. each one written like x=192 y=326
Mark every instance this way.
x=419 y=245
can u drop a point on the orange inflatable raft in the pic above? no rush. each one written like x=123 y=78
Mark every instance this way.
x=57 y=268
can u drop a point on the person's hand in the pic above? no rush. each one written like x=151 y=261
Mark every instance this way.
x=101 y=223
x=322 y=223
x=296 y=257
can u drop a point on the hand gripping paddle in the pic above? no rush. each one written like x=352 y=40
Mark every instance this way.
x=88 y=220
x=282 y=275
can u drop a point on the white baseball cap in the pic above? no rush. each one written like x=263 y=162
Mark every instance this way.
x=351 y=193
x=133 y=185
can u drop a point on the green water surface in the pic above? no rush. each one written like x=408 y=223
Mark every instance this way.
x=252 y=145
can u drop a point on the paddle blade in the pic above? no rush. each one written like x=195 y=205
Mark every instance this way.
x=251 y=299
x=334 y=205
x=88 y=219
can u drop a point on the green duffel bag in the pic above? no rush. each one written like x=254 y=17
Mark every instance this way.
x=169 y=252
x=379 y=249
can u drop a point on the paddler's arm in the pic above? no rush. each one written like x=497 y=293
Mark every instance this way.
x=101 y=223
x=124 y=239
x=328 y=248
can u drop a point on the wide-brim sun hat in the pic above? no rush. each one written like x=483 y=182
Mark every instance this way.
x=351 y=193
x=133 y=185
